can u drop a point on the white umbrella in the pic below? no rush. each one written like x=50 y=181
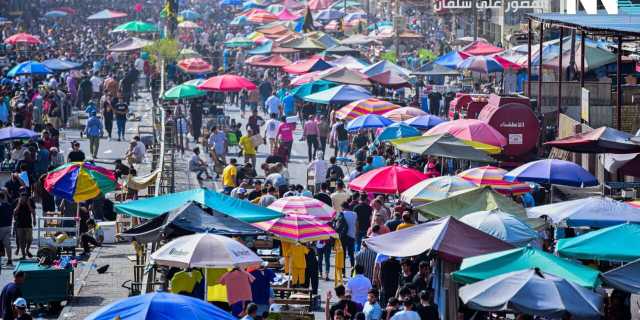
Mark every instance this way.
x=501 y=225
x=593 y=211
x=206 y=251
x=532 y=292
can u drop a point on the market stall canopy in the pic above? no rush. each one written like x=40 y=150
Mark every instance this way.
x=189 y=219
x=304 y=43
x=424 y=122
x=451 y=239
x=485 y=266
x=441 y=145
x=481 y=48
x=106 y=14
x=451 y=59
x=615 y=243
x=625 y=164
x=471 y=130
x=384 y=65
x=262 y=17
x=269 y=48
x=137 y=27
x=502 y=225
x=324 y=38
x=532 y=292
x=364 y=107
x=472 y=200
x=311 y=87
x=13 y=133
x=29 y=67
x=345 y=75
x=553 y=171
x=153 y=207
x=390 y=79
x=435 y=189
x=339 y=95
x=130 y=44
x=187 y=53
x=61 y=65
x=293 y=4
x=195 y=65
x=319 y=4
x=273 y=61
x=388 y=180
x=595 y=211
x=600 y=140
x=357 y=39
x=348 y=61
x=341 y=49
x=307 y=65
x=286 y=15
x=625 y=278
x=480 y=64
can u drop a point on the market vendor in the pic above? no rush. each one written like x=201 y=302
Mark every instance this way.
x=93 y=236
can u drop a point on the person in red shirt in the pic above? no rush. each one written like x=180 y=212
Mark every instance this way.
x=284 y=137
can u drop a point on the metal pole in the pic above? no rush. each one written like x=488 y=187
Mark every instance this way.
x=396 y=42
x=475 y=19
x=560 y=72
x=583 y=35
x=539 y=98
x=529 y=43
x=619 y=83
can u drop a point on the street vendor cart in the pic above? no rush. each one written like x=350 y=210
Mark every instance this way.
x=46 y=285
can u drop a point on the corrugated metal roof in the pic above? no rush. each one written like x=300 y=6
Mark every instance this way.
x=622 y=24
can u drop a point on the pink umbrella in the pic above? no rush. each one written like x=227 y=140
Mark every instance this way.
x=387 y=180
x=303 y=206
x=286 y=15
x=306 y=78
x=319 y=4
x=471 y=130
x=404 y=113
x=227 y=83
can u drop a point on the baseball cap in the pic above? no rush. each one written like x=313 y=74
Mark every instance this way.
x=20 y=303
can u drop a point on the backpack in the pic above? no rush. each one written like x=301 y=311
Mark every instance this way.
x=340 y=225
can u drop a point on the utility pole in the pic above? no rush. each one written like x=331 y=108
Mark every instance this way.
x=397 y=27
x=474 y=8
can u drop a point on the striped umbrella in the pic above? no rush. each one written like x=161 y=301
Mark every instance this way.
x=435 y=189
x=363 y=107
x=79 y=181
x=262 y=17
x=298 y=228
x=194 y=65
x=404 y=113
x=304 y=206
x=494 y=177
x=634 y=203
x=482 y=64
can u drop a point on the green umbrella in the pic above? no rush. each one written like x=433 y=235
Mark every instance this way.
x=238 y=42
x=489 y=265
x=183 y=91
x=312 y=87
x=136 y=26
x=616 y=243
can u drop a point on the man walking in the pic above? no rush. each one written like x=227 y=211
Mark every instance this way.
x=93 y=131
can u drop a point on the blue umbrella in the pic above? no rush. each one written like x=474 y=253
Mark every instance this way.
x=397 y=130
x=252 y=5
x=13 y=133
x=329 y=14
x=355 y=15
x=61 y=65
x=56 y=14
x=239 y=21
x=231 y=2
x=264 y=49
x=425 y=122
x=501 y=225
x=190 y=14
x=160 y=305
x=450 y=60
x=339 y=95
x=368 y=121
x=553 y=171
x=29 y=67
x=482 y=64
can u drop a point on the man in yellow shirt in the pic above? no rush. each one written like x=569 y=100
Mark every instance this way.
x=248 y=149
x=229 y=175
x=406 y=221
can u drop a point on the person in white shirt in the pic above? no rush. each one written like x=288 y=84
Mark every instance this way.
x=273 y=105
x=96 y=86
x=319 y=168
x=407 y=313
x=359 y=285
x=271 y=132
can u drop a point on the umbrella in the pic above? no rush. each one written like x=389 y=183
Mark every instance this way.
x=601 y=140
x=239 y=21
x=339 y=95
x=424 y=122
x=395 y=131
x=306 y=65
x=231 y=2
x=188 y=25
x=532 y=292
x=553 y=171
x=183 y=91
x=501 y=225
x=434 y=69
x=304 y=43
x=298 y=228
x=136 y=26
x=275 y=8
x=345 y=76
x=471 y=130
x=451 y=59
x=329 y=14
x=252 y=5
x=368 y=121
x=299 y=205
x=79 y=181
x=482 y=64
x=357 y=39
x=160 y=305
x=190 y=15
x=355 y=16
x=468 y=201
x=130 y=44
x=274 y=61
x=205 y=250
x=341 y=4
x=227 y=83
x=364 y=107
x=28 y=67
x=387 y=180
x=53 y=14
x=593 y=211
x=319 y=4
x=194 y=82
x=13 y=133
x=293 y=4
x=106 y=14
x=61 y=65
x=311 y=87
x=441 y=145
x=494 y=177
x=614 y=243
x=384 y=65
x=404 y=113
x=435 y=189
x=481 y=48
x=489 y=265
x=187 y=53
x=390 y=79
x=194 y=65
x=307 y=78
x=340 y=49
x=286 y=15
x=625 y=278
x=23 y=38
x=262 y=17
x=238 y=42
x=346 y=61
x=634 y=203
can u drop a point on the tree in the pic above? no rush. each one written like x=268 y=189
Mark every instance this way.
x=163 y=49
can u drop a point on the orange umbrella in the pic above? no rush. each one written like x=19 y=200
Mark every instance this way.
x=194 y=65
x=262 y=17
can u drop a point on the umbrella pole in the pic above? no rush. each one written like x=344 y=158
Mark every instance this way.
x=206 y=287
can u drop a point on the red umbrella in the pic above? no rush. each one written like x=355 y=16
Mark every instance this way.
x=506 y=64
x=194 y=65
x=23 y=38
x=388 y=180
x=227 y=83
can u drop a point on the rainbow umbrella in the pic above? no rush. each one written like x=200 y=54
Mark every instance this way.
x=482 y=64
x=363 y=107
x=494 y=177
x=298 y=228
x=79 y=181
x=299 y=205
